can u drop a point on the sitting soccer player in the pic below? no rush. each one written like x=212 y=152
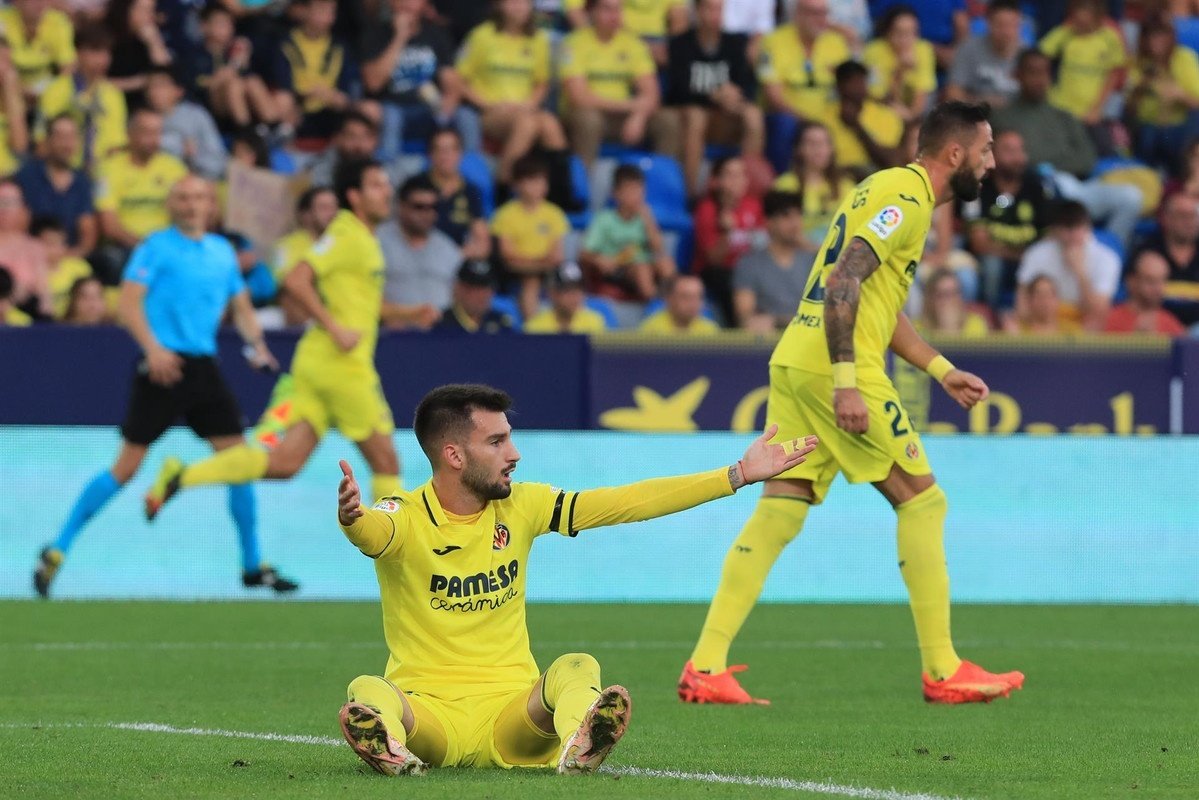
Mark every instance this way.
x=461 y=687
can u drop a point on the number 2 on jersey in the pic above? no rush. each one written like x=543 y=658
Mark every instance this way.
x=831 y=253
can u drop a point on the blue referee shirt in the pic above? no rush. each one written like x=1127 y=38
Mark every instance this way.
x=189 y=283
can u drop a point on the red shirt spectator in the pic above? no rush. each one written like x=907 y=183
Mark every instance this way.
x=726 y=222
x=1143 y=313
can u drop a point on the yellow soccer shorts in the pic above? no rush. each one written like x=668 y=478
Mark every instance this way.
x=348 y=397
x=489 y=730
x=801 y=403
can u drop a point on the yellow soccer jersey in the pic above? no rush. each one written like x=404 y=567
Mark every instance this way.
x=883 y=124
x=100 y=108
x=660 y=324
x=585 y=321
x=1183 y=73
x=348 y=264
x=1085 y=63
x=891 y=211
x=38 y=57
x=646 y=18
x=531 y=233
x=289 y=251
x=879 y=56
x=138 y=194
x=502 y=68
x=453 y=588
x=610 y=68
x=806 y=77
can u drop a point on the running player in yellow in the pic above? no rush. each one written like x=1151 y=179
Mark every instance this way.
x=827 y=375
x=461 y=686
x=339 y=283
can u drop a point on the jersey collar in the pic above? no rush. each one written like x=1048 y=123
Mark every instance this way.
x=431 y=506
x=928 y=185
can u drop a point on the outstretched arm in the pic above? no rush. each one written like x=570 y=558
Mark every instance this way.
x=907 y=343
x=659 y=497
x=372 y=532
x=843 y=291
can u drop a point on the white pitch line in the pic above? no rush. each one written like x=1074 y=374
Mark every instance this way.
x=812 y=787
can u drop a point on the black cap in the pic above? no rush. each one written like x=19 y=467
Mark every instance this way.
x=476 y=273
x=567 y=276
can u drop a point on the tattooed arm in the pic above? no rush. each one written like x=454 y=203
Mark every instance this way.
x=843 y=290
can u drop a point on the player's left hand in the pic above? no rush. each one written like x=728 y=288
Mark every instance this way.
x=764 y=460
x=261 y=358
x=966 y=388
x=349 y=497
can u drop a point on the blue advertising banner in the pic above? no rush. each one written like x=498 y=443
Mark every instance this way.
x=1079 y=387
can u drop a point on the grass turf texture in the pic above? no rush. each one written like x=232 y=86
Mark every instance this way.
x=1109 y=709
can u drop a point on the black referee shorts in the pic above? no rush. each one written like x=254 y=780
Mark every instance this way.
x=201 y=398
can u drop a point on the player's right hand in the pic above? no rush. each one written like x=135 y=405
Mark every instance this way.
x=345 y=338
x=349 y=497
x=851 y=412
x=165 y=367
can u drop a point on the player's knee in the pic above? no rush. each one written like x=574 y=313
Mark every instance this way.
x=364 y=685
x=576 y=663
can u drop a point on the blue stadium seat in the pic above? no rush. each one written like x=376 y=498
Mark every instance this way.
x=282 y=162
x=781 y=133
x=603 y=307
x=581 y=188
x=476 y=170
x=717 y=151
x=1105 y=165
x=415 y=147
x=665 y=191
x=1111 y=241
x=620 y=151
x=1187 y=30
x=508 y=305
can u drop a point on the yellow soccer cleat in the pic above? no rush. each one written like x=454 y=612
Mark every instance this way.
x=602 y=726
x=164 y=488
x=364 y=730
x=971 y=684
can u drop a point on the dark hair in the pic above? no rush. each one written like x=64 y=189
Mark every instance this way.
x=43 y=223
x=833 y=174
x=497 y=19
x=1070 y=214
x=116 y=19
x=252 y=140
x=210 y=10
x=73 y=294
x=850 y=69
x=1157 y=23
x=6 y=283
x=309 y=197
x=445 y=413
x=1028 y=54
x=627 y=173
x=448 y=130
x=1037 y=281
x=530 y=166
x=776 y=203
x=953 y=119
x=354 y=115
x=1005 y=5
x=883 y=26
x=93 y=37
x=57 y=118
x=349 y=175
x=163 y=71
x=417 y=183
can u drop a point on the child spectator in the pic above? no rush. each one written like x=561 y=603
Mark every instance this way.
x=313 y=72
x=530 y=230
x=86 y=304
x=14 y=129
x=622 y=249
x=818 y=180
x=189 y=132
x=137 y=45
x=903 y=66
x=505 y=69
x=610 y=87
x=53 y=189
x=726 y=222
x=91 y=99
x=219 y=73
x=1090 y=54
x=1143 y=312
x=40 y=42
x=567 y=311
x=10 y=315
x=713 y=90
x=64 y=269
x=944 y=310
x=683 y=314
x=1039 y=310
x=1165 y=92
x=769 y=282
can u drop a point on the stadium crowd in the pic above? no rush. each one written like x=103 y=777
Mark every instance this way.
x=671 y=166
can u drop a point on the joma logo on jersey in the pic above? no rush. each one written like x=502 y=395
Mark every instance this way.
x=479 y=583
x=501 y=538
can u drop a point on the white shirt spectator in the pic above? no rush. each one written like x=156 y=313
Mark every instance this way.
x=748 y=16
x=1045 y=258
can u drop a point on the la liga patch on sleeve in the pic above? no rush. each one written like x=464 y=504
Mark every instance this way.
x=887 y=222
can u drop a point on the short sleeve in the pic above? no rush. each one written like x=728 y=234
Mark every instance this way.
x=1053 y=42
x=143 y=263
x=1116 y=54
x=767 y=68
x=570 y=63
x=1106 y=272
x=500 y=224
x=64 y=44
x=237 y=283
x=1033 y=263
x=321 y=254
x=471 y=56
x=105 y=195
x=892 y=224
x=889 y=131
x=745 y=274
x=593 y=239
x=926 y=68
x=642 y=61
x=559 y=223
x=546 y=507
x=1186 y=70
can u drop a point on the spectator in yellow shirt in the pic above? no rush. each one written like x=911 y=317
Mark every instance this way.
x=530 y=230
x=610 y=86
x=131 y=191
x=505 y=70
x=14 y=130
x=568 y=311
x=819 y=181
x=10 y=315
x=797 y=63
x=903 y=66
x=683 y=314
x=1164 y=83
x=64 y=269
x=945 y=310
x=1089 y=52
x=40 y=40
x=90 y=98
x=867 y=135
x=653 y=20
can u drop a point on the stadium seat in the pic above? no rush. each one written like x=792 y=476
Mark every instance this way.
x=505 y=304
x=581 y=188
x=603 y=307
x=1105 y=165
x=620 y=151
x=476 y=170
x=281 y=162
x=781 y=132
x=665 y=191
x=1111 y=241
x=1187 y=30
x=714 y=152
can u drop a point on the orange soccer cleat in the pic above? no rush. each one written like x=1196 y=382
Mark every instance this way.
x=721 y=687
x=971 y=684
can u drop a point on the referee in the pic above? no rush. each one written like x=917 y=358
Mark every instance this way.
x=175 y=290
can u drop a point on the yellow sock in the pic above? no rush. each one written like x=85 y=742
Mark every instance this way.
x=774 y=523
x=571 y=685
x=373 y=691
x=385 y=486
x=922 y=563
x=240 y=464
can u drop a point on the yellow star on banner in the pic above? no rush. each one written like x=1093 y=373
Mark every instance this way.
x=653 y=412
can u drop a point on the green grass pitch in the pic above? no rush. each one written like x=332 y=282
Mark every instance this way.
x=1110 y=708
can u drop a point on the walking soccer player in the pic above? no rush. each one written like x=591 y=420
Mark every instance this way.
x=828 y=376
x=176 y=288
x=339 y=283
x=461 y=687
